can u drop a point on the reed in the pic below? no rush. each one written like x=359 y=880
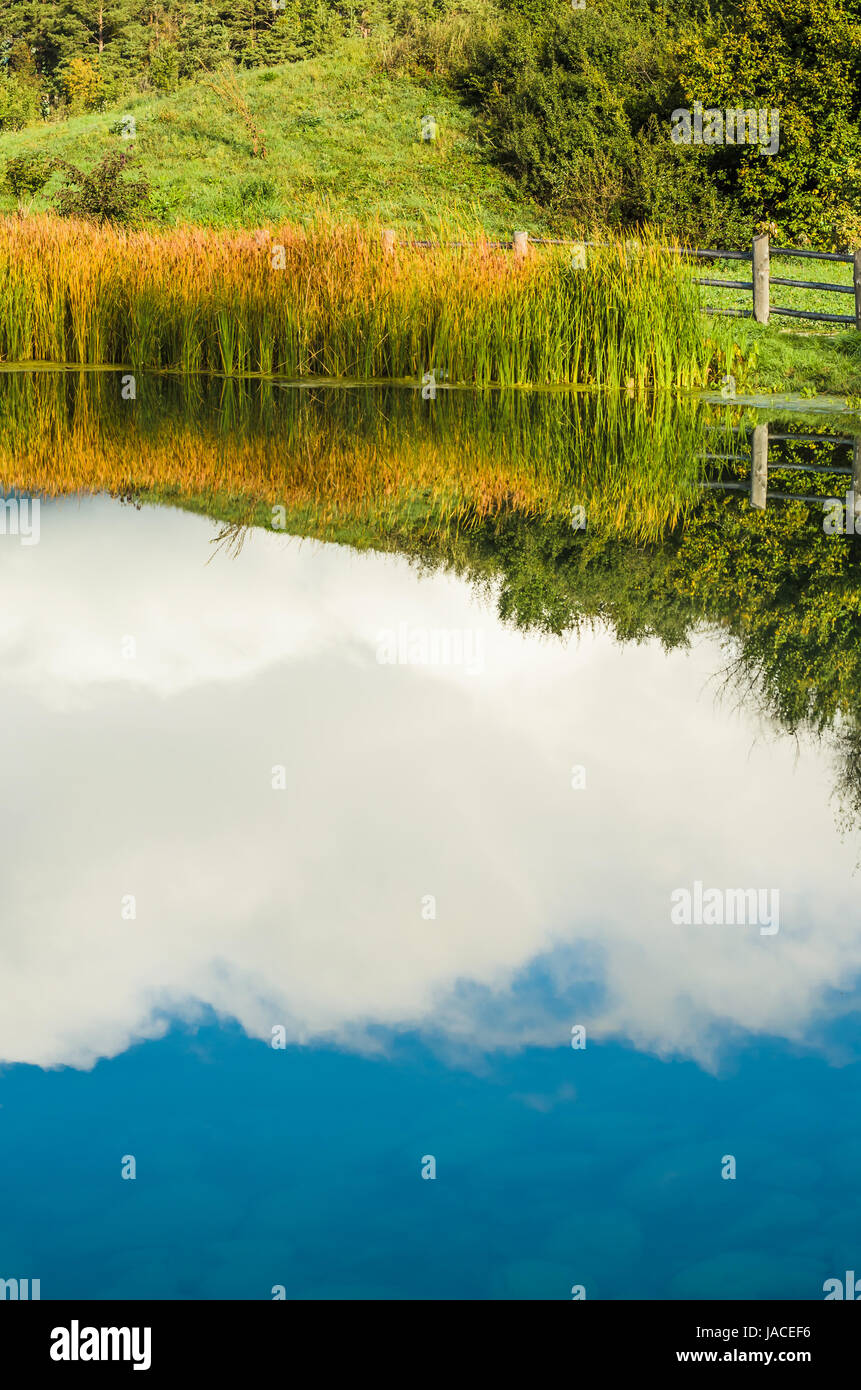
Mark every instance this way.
x=323 y=300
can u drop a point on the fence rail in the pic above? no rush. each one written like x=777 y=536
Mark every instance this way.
x=761 y=281
x=759 y=257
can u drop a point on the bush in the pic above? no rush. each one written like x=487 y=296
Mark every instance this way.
x=26 y=175
x=300 y=29
x=104 y=194
x=164 y=67
x=22 y=62
x=562 y=97
x=803 y=59
x=670 y=187
x=576 y=107
x=439 y=41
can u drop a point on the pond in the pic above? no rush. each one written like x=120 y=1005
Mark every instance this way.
x=415 y=894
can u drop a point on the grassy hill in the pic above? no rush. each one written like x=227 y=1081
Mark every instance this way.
x=340 y=134
x=343 y=137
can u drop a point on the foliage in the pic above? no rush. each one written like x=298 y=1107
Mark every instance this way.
x=19 y=102
x=164 y=67
x=569 y=103
x=81 y=81
x=27 y=174
x=104 y=194
x=801 y=58
x=577 y=107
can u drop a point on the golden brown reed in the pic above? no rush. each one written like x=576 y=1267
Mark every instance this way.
x=324 y=300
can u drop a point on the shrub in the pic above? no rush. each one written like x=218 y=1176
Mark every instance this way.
x=26 y=175
x=563 y=96
x=22 y=62
x=803 y=59
x=164 y=67
x=438 y=40
x=82 y=83
x=104 y=194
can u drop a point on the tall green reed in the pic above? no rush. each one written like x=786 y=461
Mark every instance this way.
x=325 y=300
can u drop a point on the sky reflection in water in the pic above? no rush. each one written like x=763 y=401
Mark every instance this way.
x=303 y=908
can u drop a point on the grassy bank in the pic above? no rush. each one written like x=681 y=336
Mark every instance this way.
x=808 y=361
x=325 y=300
x=794 y=355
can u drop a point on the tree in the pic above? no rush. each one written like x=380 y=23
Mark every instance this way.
x=19 y=102
x=82 y=83
x=802 y=59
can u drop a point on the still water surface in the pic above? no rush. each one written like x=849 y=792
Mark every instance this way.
x=468 y=857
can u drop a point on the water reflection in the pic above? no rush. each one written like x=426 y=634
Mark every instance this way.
x=421 y=800
x=365 y=465
x=151 y=775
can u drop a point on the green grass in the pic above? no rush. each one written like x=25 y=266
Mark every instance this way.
x=340 y=134
x=793 y=355
x=800 y=361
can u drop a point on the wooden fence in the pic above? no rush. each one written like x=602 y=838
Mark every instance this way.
x=759 y=257
x=761 y=281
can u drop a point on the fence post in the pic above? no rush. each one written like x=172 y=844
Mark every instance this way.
x=760 y=278
x=856 y=276
x=521 y=242
x=388 y=242
x=759 y=467
x=856 y=473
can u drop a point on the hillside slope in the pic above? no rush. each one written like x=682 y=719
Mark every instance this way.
x=339 y=134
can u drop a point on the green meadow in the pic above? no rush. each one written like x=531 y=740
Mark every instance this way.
x=341 y=136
